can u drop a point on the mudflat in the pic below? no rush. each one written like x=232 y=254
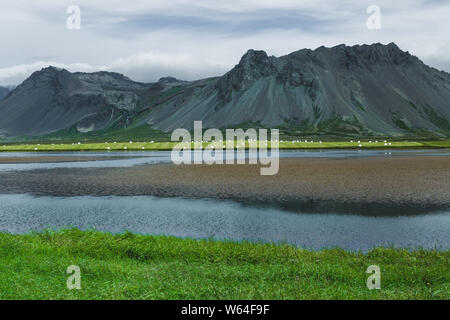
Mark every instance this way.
x=363 y=183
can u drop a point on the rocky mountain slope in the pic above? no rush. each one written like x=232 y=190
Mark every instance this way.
x=54 y=99
x=371 y=89
x=363 y=90
x=4 y=91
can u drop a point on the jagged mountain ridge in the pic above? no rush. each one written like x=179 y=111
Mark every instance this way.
x=368 y=89
x=378 y=89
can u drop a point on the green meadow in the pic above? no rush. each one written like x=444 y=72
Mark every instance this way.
x=130 y=266
x=158 y=145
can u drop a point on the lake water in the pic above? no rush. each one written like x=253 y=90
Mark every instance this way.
x=222 y=220
x=21 y=213
x=133 y=158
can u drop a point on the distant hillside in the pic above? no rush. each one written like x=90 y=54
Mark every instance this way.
x=4 y=91
x=360 y=90
x=53 y=99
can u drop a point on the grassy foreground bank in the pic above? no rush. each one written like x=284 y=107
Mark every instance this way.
x=139 y=146
x=132 y=266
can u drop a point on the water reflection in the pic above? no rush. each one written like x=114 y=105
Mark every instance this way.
x=222 y=220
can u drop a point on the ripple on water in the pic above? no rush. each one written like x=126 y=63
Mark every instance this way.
x=222 y=220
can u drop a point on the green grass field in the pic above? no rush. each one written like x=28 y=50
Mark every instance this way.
x=127 y=146
x=130 y=266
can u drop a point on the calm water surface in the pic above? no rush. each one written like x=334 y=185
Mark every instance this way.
x=222 y=220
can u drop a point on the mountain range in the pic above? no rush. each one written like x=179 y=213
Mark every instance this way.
x=364 y=90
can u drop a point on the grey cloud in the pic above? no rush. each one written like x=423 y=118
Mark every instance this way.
x=195 y=39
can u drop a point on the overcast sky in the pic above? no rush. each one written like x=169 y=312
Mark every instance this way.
x=192 y=39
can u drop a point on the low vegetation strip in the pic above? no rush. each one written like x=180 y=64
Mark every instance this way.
x=154 y=146
x=130 y=266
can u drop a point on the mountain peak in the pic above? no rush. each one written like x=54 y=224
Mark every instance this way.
x=169 y=79
x=51 y=69
x=254 y=58
x=366 y=54
x=47 y=76
x=253 y=65
x=365 y=47
x=48 y=72
x=254 y=54
x=393 y=45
